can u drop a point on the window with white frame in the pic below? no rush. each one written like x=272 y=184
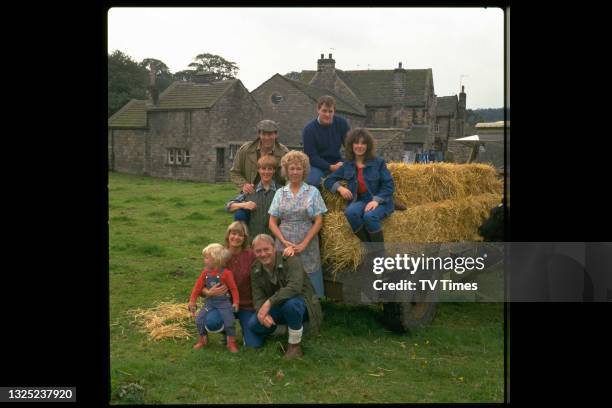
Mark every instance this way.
x=178 y=157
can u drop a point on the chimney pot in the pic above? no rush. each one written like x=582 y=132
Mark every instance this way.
x=400 y=65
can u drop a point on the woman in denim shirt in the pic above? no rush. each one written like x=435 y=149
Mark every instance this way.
x=369 y=186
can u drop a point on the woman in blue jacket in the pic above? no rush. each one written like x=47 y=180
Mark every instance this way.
x=369 y=186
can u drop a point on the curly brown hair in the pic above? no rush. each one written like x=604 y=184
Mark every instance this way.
x=356 y=135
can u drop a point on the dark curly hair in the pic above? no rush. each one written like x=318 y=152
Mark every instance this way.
x=356 y=135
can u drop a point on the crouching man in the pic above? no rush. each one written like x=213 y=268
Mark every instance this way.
x=282 y=294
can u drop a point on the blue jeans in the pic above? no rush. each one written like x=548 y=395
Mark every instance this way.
x=214 y=322
x=242 y=215
x=292 y=312
x=356 y=216
x=226 y=317
x=315 y=175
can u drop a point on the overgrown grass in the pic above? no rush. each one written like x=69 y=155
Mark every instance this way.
x=459 y=358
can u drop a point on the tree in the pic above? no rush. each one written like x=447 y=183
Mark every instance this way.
x=163 y=76
x=184 y=75
x=219 y=66
x=293 y=75
x=126 y=80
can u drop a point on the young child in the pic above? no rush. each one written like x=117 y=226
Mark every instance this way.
x=215 y=256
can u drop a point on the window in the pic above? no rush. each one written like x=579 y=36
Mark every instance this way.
x=233 y=149
x=436 y=127
x=276 y=98
x=178 y=157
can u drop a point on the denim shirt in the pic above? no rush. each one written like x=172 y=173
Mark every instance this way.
x=377 y=178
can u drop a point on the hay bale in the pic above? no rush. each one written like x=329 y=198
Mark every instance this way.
x=479 y=178
x=444 y=221
x=166 y=320
x=340 y=248
x=334 y=201
x=417 y=184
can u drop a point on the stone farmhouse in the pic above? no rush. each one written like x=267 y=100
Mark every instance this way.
x=191 y=132
x=399 y=100
x=193 y=129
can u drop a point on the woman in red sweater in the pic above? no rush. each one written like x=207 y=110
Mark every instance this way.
x=240 y=262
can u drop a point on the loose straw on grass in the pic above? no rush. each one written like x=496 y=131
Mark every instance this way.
x=166 y=320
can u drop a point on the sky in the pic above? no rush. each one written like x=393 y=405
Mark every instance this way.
x=461 y=45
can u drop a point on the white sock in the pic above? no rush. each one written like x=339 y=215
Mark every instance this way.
x=295 y=336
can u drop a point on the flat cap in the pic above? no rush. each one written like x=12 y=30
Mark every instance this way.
x=267 y=125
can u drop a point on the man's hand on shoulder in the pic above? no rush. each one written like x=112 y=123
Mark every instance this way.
x=248 y=188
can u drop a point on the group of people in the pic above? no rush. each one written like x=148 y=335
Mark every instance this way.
x=269 y=271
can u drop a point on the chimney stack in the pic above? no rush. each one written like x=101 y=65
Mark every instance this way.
x=326 y=65
x=400 y=65
x=152 y=88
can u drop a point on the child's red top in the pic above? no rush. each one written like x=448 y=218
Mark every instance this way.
x=227 y=277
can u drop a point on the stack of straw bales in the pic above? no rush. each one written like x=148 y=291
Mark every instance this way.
x=166 y=320
x=446 y=203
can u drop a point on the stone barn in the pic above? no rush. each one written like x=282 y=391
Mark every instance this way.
x=191 y=132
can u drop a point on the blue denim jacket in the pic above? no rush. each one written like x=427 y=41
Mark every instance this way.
x=377 y=178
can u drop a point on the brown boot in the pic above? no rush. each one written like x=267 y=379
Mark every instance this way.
x=293 y=351
x=201 y=343
x=231 y=344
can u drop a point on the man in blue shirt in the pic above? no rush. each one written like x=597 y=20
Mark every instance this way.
x=322 y=138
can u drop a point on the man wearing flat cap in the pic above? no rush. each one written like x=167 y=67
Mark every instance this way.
x=244 y=172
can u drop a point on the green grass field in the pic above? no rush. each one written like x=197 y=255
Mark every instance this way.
x=157 y=231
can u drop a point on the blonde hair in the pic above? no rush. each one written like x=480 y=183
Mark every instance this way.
x=218 y=253
x=237 y=226
x=266 y=161
x=295 y=157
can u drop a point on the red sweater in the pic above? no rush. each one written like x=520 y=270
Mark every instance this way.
x=241 y=265
x=361 y=182
x=227 y=277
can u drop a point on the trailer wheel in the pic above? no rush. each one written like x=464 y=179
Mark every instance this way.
x=406 y=316
x=416 y=312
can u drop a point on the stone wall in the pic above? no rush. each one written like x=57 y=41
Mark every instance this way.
x=233 y=120
x=126 y=150
x=176 y=130
x=287 y=105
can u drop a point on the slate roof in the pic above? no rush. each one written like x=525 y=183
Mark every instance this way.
x=447 y=105
x=315 y=93
x=190 y=95
x=132 y=115
x=374 y=87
